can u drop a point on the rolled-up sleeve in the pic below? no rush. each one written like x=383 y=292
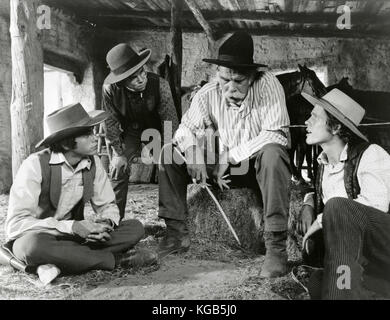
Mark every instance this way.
x=103 y=199
x=193 y=124
x=274 y=116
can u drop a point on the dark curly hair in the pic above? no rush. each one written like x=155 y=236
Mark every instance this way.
x=345 y=134
x=69 y=143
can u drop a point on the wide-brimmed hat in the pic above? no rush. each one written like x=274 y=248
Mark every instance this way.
x=342 y=107
x=70 y=120
x=123 y=61
x=236 y=52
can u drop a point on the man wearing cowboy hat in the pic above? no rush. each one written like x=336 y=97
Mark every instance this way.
x=135 y=100
x=351 y=200
x=248 y=109
x=45 y=222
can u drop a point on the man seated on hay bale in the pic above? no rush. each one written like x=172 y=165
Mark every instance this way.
x=248 y=109
x=351 y=202
x=136 y=100
x=45 y=222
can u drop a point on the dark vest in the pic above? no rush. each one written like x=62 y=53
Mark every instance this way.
x=51 y=187
x=351 y=183
x=138 y=111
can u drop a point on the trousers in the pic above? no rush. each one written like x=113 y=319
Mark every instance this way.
x=357 y=247
x=69 y=253
x=269 y=173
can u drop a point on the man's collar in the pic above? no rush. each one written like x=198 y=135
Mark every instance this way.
x=59 y=158
x=323 y=158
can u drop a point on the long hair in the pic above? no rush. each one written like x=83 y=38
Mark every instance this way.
x=345 y=134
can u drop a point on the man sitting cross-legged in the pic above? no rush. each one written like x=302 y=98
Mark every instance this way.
x=45 y=222
x=248 y=109
x=351 y=202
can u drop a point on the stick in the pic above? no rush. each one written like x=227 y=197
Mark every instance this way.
x=223 y=214
x=216 y=202
x=360 y=125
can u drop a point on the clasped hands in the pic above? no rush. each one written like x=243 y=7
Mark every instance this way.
x=97 y=231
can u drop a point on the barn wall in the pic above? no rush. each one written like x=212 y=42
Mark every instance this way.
x=65 y=38
x=365 y=61
x=5 y=99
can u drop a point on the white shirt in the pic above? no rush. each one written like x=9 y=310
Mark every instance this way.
x=373 y=176
x=23 y=206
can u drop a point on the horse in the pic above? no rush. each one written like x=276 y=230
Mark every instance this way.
x=299 y=110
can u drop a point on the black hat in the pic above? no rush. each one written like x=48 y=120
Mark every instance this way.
x=236 y=52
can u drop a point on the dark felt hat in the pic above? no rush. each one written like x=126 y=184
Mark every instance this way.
x=123 y=61
x=236 y=52
x=70 y=120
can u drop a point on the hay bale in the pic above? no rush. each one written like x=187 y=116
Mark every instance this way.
x=245 y=212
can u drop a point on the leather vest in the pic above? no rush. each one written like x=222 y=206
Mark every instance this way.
x=51 y=187
x=351 y=183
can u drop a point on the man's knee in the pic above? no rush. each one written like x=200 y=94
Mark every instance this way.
x=335 y=212
x=272 y=156
x=31 y=247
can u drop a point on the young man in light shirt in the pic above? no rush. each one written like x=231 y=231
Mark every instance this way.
x=350 y=205
x=45 y=222
x=248 y=109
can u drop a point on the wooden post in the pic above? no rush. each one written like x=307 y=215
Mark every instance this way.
x=27 y=80
x=177 y=50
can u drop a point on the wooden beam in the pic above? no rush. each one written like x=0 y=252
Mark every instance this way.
x=177 y=52
x=202 y=21
x=64 y=63
x=27 y=81
x=208 y=17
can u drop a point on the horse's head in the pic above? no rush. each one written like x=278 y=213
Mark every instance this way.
x=310 y=82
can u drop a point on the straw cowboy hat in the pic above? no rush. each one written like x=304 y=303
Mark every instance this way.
x=342 y=107
x=236 y=52
x=123 y=61
x=70 y=120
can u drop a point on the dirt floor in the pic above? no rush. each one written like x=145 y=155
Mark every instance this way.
x=206 y=271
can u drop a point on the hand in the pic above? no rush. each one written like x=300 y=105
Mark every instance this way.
x=313 y=228
x=98 y=237
x=195 y=165
x=306 y=219
x=84 y=228
x=118 y=163
x=146 y=155
x=107 y=222
x=220 y=170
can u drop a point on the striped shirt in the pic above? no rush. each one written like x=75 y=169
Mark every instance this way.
x=242 y=130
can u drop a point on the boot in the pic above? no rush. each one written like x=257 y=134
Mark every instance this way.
x=176 y=239
x=275 y=264
x=136 y=259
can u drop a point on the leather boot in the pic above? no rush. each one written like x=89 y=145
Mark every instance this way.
x=176 y=239
x=275 y=264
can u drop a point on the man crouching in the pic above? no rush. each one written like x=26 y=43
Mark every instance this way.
x=45 y=221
